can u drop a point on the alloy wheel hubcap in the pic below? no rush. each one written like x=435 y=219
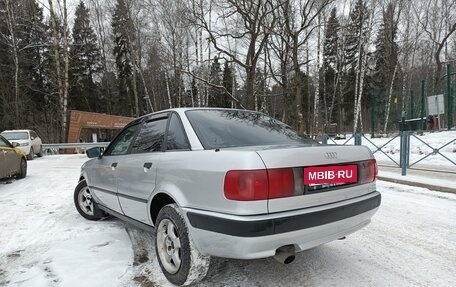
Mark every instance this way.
x=86 y=201
x=169 y=246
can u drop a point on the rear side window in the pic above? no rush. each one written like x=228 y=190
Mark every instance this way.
x=236 y=128
x=122 y=143
x=151 y=137
x=176 y=136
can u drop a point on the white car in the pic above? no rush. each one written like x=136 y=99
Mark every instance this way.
x=29 y=142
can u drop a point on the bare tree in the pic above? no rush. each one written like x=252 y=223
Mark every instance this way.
x=258 y=17
x=438 y=20
x=299 y=22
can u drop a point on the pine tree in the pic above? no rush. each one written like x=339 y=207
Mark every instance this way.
x=124 y=37
x=215 y=93
x=331 y=43
x=386 y=54
x=331 y=64
x=85 y=63
x=387 y=69
x=357 y=33
x=228 y=84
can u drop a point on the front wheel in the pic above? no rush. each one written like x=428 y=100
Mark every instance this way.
x=31 y=154
x=179 y=260
x=40 y=154
x=22 y=169
x=85 y=204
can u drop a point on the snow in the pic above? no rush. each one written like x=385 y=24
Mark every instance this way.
x=411 y=241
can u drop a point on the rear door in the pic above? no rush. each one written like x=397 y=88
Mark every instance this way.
x=102 y=173
x=136 y=173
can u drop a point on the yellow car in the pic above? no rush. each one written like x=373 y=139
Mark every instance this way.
x=12 y=160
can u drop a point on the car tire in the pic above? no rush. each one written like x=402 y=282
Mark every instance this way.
x=40 y=154
x=180 y=261
x=31 y=154
x=22 y=169
x=85 y=203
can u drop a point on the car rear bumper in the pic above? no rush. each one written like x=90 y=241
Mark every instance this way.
x=249 y=237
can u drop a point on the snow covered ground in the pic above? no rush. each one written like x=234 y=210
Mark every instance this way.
x=44 y=242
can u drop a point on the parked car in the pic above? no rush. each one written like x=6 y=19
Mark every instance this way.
x=12 y=160
x=29 y=142
x=227 y=183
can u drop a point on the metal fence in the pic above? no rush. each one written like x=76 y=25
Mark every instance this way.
x=404 y=148
x=59 y=148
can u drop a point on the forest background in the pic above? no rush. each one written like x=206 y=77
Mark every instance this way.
x=309 y=63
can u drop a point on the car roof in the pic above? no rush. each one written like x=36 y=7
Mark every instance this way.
x=15 y=131
x=182 y=110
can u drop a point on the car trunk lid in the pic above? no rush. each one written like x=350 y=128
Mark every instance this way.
x=321 y=174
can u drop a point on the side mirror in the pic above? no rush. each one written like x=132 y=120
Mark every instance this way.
x=15 y=144
x=32 y=138
x=94 y=152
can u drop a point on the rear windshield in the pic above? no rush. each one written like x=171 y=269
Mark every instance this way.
x=235 y=128
x=16 y=135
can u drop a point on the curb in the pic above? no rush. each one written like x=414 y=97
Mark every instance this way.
x=419 y=184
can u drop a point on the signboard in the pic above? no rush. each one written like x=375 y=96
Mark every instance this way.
x=435 y=105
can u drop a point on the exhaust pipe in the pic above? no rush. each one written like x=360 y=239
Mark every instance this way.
x=285 y=254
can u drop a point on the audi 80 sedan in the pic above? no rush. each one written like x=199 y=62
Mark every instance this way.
x=227 y=183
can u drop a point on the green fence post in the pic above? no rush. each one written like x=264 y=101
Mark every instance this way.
x=422 y=104
x=358 y=136
x=449 y=99
x=372 y=104
x=405 y=138
x=324 y=138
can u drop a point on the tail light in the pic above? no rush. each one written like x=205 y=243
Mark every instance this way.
x=281 y=182
x=368 y=171
x=247 y=185
x=262 y=184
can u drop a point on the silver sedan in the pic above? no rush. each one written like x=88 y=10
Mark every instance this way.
x=227 y=183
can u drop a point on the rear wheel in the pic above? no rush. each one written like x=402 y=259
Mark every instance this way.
x=85 y=204
x=22 y=169
x=179 y=260
x=31 y=154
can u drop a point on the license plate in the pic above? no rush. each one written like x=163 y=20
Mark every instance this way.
x=331 y=174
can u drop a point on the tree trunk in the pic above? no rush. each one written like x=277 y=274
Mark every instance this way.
x=66 y=60
x=58 y=68
x=11 y=23
x=297 y=109
x=388 y=103
x=317 y=80
x=168 y=92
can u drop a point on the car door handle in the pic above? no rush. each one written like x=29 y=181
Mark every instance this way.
x=148 y=165
x=113 y=165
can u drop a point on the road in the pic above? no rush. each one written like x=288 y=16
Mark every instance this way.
x=411 y=241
